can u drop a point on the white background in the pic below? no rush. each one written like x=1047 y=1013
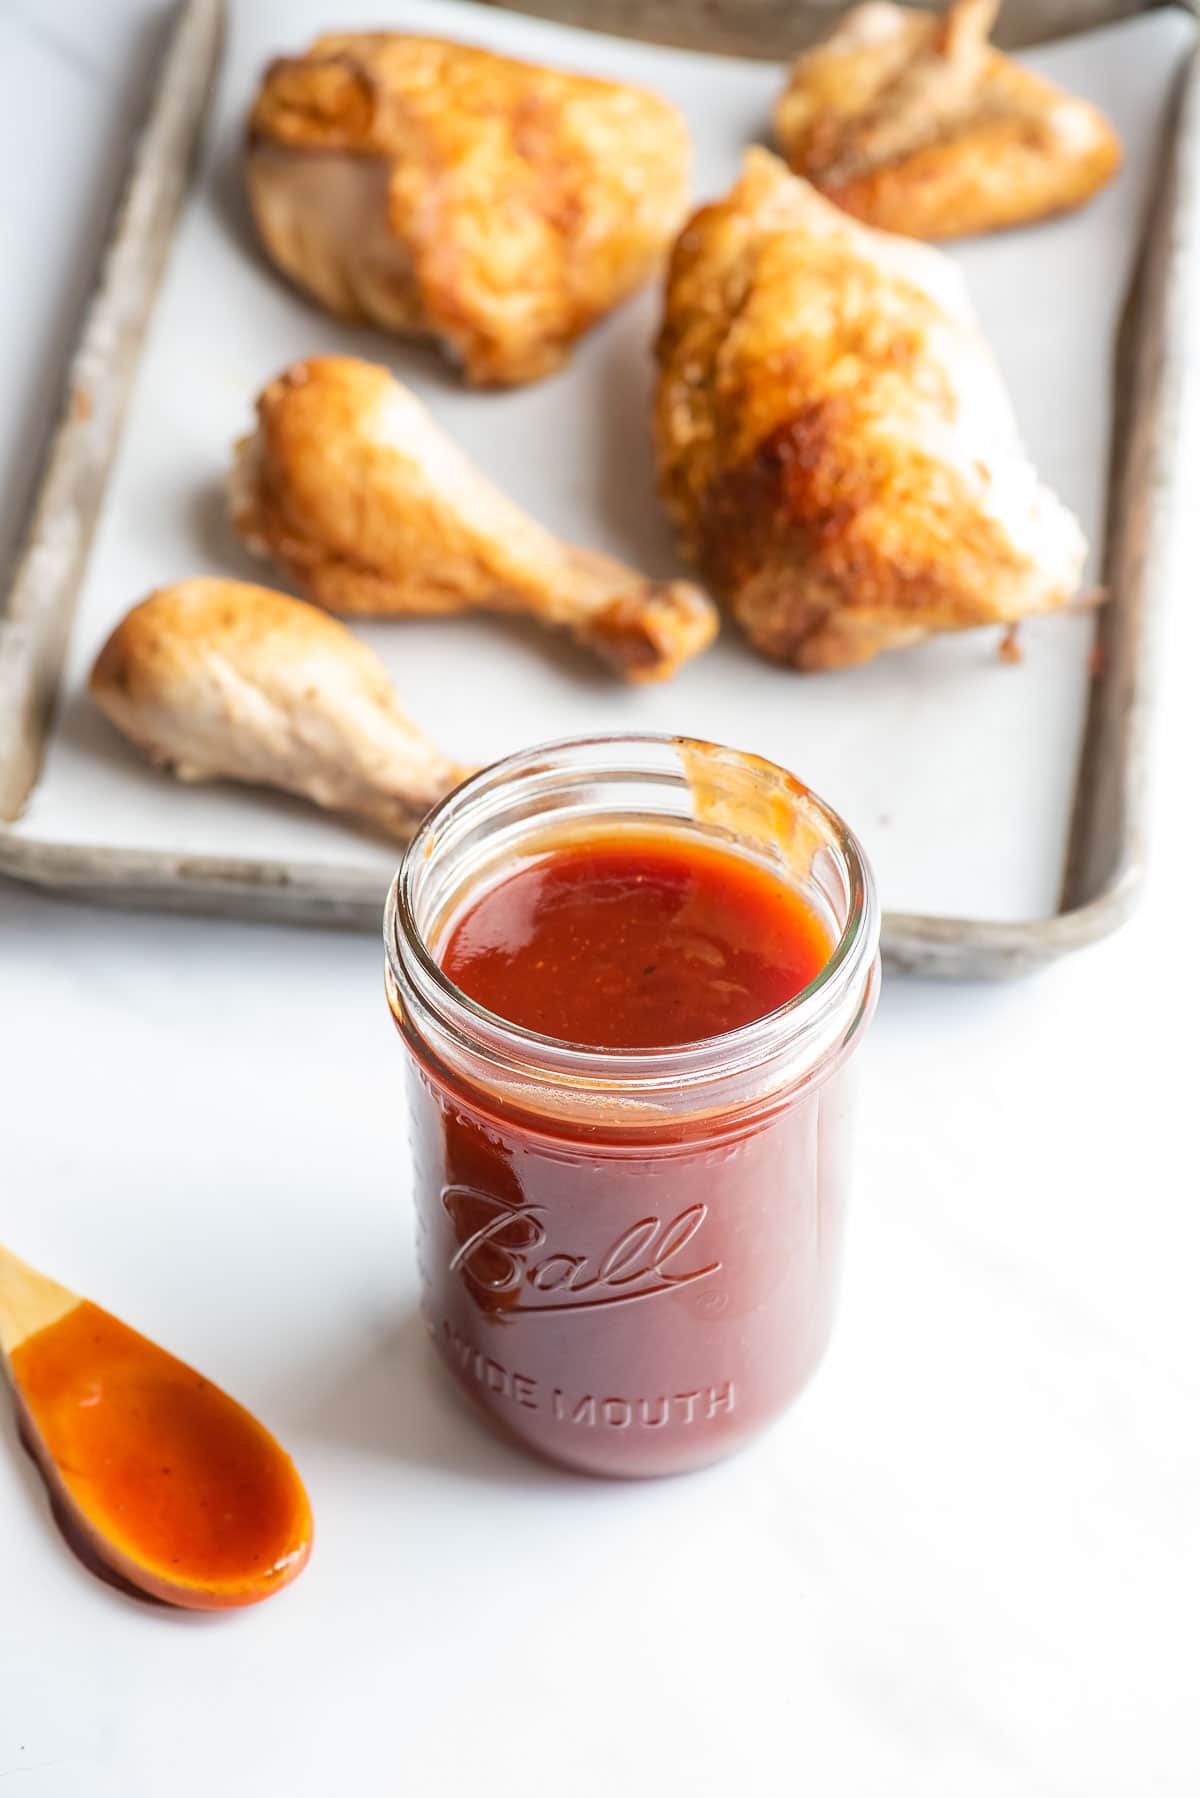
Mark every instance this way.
x=967 y=1564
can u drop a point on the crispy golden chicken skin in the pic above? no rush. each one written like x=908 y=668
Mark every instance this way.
x=351 y=486
x=912 y=122
x=221 y=680
x=439 y=191
x=835 y=444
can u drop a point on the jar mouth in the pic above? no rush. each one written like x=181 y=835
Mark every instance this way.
x=835 y=997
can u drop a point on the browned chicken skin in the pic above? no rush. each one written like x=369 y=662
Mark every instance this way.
x=223 y=680
x=440 y=191
x=835 y=444
x=352 y=487
x=912 y=122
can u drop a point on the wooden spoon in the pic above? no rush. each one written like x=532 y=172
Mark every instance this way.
x=169 y=1482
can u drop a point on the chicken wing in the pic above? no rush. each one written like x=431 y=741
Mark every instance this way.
x=835 y=444
x=440 y=191
x=912 y=122
x=222 y=680
x=351 y=486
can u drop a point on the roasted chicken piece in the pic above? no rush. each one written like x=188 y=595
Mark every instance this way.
x=911 y=121
x=219 y=680
x=352 y=487
x=835 y=444
x=440 y=191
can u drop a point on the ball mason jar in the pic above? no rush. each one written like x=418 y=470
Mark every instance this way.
x=629 y=1258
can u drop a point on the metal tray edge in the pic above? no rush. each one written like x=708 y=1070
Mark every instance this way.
x=39 y=607
x=352 y=899
x=771 y=30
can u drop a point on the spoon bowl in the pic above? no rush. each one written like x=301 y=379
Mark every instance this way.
x=167 y=1481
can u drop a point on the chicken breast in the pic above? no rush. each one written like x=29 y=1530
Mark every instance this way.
x=835 y=443
x=911 y=121
x=221 y=680
x=351 y=486
x=439 y=191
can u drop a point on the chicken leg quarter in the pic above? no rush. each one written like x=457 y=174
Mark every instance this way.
x=222 y=680
x=439 y=191
x=835 y=443
x=912 y=122
x=351 y=486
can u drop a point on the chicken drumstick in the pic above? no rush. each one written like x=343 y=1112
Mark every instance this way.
x=352 y=487
x=218 y=679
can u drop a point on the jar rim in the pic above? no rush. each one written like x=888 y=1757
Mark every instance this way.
x=835 y=995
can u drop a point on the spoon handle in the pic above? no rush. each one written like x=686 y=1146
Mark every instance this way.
x=28 y=1301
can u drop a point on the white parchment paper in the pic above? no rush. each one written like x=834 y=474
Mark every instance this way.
x=957 y=769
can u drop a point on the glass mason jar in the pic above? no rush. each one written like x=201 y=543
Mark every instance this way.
x=629 y=1257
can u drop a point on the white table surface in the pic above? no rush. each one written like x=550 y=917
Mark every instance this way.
x=968 y=1564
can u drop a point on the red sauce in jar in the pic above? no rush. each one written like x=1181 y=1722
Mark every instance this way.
x=614 y=945
x=630 y=1288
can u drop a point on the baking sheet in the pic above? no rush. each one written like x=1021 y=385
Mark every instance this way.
x=957 y=769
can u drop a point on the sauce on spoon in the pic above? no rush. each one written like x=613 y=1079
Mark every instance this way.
x=171 y=1483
